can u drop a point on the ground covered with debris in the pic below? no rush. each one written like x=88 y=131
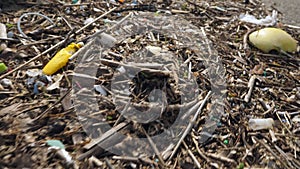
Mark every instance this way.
x=226 y=102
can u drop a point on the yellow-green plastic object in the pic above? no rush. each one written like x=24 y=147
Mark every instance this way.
x=61 y=58
x=3 y=67
x=268 y=39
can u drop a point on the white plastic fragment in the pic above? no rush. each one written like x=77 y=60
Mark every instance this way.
x=33 y=72
x=260 y=124
x=88 y=20
x=97 y=10
x=66 y=155
x=55 y=85
x=296 y=119
x=100 y=89
x=121 y=69
x=154 y=49
x=267 y=21
x=63 y=154
x=60 y=148
x=3 y=34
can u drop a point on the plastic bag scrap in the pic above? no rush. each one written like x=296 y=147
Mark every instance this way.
x=267 y=21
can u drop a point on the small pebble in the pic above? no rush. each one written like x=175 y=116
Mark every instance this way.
x=10 y=34
x=6 y=82
x=68 y=10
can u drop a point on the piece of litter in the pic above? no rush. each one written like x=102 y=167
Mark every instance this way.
x=267 y=21
x=55 y=143
x=58 y=145
x=88 y=20
x=154 y=49
x=268 y=39
x=121 y=69
x=260 y=124
x=55 y=85
x=100 y=89
x=33 y=72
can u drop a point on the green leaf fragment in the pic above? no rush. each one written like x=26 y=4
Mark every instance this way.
x=241 y=166
x=3 y=67
x=9 y=25
x=109 y=117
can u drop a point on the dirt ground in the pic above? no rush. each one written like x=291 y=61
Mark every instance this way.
x=290 y=9
x=50 y=121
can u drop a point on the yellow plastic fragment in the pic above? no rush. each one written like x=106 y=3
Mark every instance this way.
x=61 y=58
x=268 y=39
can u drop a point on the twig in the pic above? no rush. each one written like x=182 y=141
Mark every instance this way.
x=175 y=11
x=127 y=158
x=101 y=16
x=292 y=26
x=192 y=155
x=272 y=152
x=245 y=40
x=153 y=147
x=190 y=125
x=222 y=158
x=93 y=151
x=47 y=110
x=135 y=66
x=81 y=4
x=200 y=152
x=134 y=159
x=251 y=87
x=32 y=59
x=10 y=39
x=106 y=135
x=249 y=151
x=109 y=164
x=69 y=25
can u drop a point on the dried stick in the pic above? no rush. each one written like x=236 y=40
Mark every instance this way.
x=245 y=39
x=192 y=155
x=50 y=108
x=190 y=125
x=200 y=152
x=251 y=87
x=153 y=147
x=101 y=16
x=271 y=151
x=134 y=159
x=222 y=158
x=106 y=135
x=106 y=61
